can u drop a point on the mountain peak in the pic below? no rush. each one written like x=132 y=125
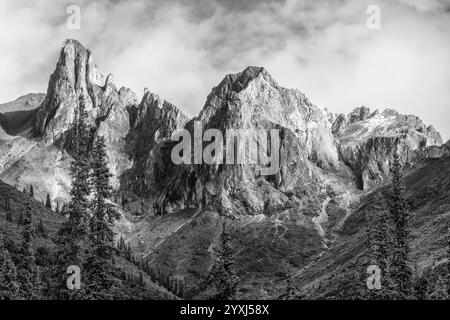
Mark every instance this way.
x=74 y=44
x=240 y=80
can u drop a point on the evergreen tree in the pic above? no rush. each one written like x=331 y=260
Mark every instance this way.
x=63 y=211
x=353 y=287
x=48 y=202
x=422 y=284
x=222 y=273
x=8 y=274
x=8 y=209
x=31 y=193
x=400 y=271
x=41 y=229
x=379 y=241
x=72 y=235
x=121 y=245
x=100 y=265
x=141 y=279
x=448 y=260
x=287 y=274
x=20 y=220
x=28 y=273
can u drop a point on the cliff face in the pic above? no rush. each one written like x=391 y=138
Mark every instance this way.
x=152 y=124
x=249 y=100
x=37 y=155
x=368 y=140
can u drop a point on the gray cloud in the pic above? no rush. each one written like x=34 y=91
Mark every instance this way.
x=181 y=49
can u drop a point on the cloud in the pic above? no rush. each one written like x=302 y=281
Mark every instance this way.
x=181 y=49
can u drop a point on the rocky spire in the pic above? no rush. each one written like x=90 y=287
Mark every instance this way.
x=75 y=79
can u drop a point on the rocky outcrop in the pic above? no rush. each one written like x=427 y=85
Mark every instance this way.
x=114 y=127
x=151 y=125
x=16 y=117
x=252 y=100
x=76 y=80
x=26 y=102
x=42 y=157
x=433 y=152
x=368 y=141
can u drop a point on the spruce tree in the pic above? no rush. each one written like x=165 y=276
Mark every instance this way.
x=287 y=275
x=20 y=220
x=8 y=209
x=448 y=260
x=71 y=237
x=41 y=229
x=31 y=193
x=8 y=275
x=48 y=202
x=223 y=274
x=379 y=240
x=100 y=264
x=28 y=273
x=400 y=269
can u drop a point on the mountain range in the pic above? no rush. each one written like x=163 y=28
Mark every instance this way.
x=309 y=217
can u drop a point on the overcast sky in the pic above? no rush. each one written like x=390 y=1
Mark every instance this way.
x=181 y=49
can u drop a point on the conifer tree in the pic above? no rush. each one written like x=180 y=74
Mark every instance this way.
x=379 y=240
x=422 y=284
x=48 y=202
x=8 y=209
x=223 y=273
x=41 y=229
x=400 y=270
x=8 y=275
x=72 y=235
x=287 y=274
x=448 y=260
x=100 y=265
x=28 y=273
x=31 y=193
x=20 y=220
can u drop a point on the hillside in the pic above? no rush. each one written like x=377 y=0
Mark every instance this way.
x=11 y=231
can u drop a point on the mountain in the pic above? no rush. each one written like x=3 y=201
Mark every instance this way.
x=26 y=102
x=368 y=140
x=16 y=116
x=307 y=213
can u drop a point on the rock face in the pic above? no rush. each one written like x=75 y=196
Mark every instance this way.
x=26 y=102
x=252 y=100
x=40 y=158
x=76 y=80
x=368 y=140
x=16 y=117
x=152 y=123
